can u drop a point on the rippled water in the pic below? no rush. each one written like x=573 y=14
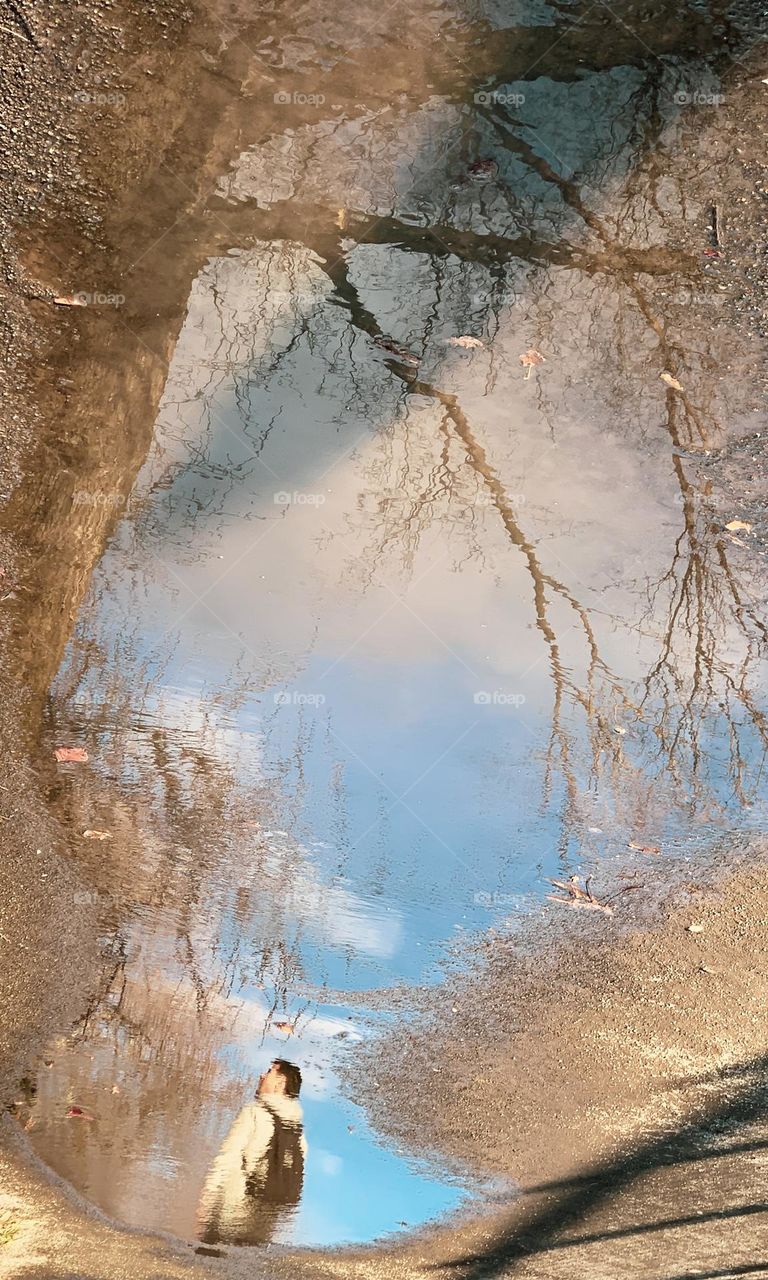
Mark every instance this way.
x=394 y=628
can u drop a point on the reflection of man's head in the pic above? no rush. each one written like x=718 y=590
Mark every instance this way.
x=283 y=1079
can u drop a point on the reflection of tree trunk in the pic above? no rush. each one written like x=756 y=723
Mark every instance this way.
x=439 y=240
x=94 y=427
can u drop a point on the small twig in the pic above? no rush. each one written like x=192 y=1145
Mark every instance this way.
x=13 y=31
x=626 y=889
x=23 y=23
x=578 y=897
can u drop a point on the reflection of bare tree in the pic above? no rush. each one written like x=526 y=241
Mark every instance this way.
x=404 y=518
x=416 y=480
x=187 y=826
x=500 y=235
x=147 y=1067
x=697 y=679
x=702 y=683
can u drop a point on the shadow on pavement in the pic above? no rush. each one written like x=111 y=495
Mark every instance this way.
x=606 y=1191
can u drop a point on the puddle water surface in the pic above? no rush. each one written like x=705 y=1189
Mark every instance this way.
x=394 y=627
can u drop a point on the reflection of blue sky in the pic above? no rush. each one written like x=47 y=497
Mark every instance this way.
x=422 y=830
x=354 y=1188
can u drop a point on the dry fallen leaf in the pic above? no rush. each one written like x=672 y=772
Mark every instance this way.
x=77 y=1113
x=465 y=341
x=287 y=1027
x=66 y=755
x=735 y=525
x=643 y=848
x=670 y=381
x=97 y=835
x=70 y=300
x=480 y=169
x=531 y=357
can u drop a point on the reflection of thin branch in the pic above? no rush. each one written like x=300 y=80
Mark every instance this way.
x=702 y=603
x=107 y=983
x=454 y=420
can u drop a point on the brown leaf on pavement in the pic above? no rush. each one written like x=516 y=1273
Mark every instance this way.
x=466 y=341
x=529 y=358
x=643 y=848
x=77 y=1113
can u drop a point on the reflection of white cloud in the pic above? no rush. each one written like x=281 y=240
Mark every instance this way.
x=346 y=161
x=164 y=1000
x=314 y=1045
x=330 y=1164
x=334 y=913
x=250 y=1016
x=346 y=919
x=330 y=1029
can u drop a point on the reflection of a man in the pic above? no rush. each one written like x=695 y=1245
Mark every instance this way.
x=259 y=1171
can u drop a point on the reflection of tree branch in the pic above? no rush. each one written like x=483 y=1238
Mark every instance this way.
x=692 y=609
x=441 y=239
x=454 y=420
x=705 y=598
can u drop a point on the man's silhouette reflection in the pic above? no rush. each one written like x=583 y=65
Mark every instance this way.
x=256 y=1178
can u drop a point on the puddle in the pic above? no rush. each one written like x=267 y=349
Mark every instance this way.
x=155 y=1121
x=389 y=632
